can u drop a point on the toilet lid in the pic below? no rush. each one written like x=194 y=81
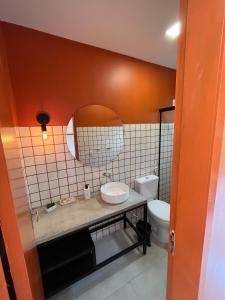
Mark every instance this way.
x=160 y=209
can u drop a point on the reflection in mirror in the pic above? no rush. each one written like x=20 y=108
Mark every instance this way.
x=95 y=135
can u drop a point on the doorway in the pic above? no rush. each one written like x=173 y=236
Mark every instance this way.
x=6 y=269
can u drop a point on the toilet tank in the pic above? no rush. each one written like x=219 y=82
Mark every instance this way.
x=147 y=186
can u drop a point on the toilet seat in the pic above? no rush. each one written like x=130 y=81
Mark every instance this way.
x=160 y=210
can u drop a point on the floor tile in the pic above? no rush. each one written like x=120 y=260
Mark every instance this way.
x=151 y=284
x=125 y=292
x=133 y=276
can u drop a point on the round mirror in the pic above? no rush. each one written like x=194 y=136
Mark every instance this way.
x=95 y=135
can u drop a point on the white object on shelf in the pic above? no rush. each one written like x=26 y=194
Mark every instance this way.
x=68 y=200
x=115 y=192
x=50 y=209
x=87 y=192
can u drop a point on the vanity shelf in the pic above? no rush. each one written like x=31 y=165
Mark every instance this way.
x=65 y=259
x=63 y=277
x=56 y=253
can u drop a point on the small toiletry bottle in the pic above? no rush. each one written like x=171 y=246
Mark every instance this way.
x=87 y=192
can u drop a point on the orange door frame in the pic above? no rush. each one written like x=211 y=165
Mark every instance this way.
x=196 y=271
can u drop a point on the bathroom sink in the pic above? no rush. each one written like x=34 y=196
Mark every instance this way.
x=115 y=192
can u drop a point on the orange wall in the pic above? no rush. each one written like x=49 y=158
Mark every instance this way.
x=60 y=76
x=14 y=211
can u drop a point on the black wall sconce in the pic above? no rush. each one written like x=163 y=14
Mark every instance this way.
x=43 y=119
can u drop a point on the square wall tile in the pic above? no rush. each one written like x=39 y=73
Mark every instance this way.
x=53 y=175
x=31 y=179
x=43 y=186
x=37 y=141
x=49 y=149
x=62 y=173
x=71 y=172
x=29 y=161
x=63 y=182
x=54 y=192
x=42 y=177
x=35 y=204
x=72 y=180
x=36 y=131
x=59 y=148
x=51 y=167
x=50 y=158
x=49 y=140
x=61 y=165
x=72 y=188
x=26 y=141
x=60 y=157
x=58 y=140
x=45 y=195
x=38 y=150
x=64 y=190
x=57 y=130
x=24 y=131
x=33 y=188
x=30 y=171
x=41 y=169
x=53 y=184
x=35 y=197
x=39 y=160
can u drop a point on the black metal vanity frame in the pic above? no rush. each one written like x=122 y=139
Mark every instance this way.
x=93 y=227
x=143 y=240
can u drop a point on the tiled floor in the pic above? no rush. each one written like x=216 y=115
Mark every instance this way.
x=132 y=277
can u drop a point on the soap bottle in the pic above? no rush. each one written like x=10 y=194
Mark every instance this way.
x=87 y=192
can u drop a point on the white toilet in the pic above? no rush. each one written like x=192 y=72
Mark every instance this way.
x=159 y=211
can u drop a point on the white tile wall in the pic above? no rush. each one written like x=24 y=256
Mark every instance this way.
x=98 y=146
x=166 y=152
x=51 y=172
x=14 y=167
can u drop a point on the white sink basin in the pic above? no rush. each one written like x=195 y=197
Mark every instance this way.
x=115 y=192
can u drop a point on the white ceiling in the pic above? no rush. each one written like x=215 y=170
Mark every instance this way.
x=131 y=27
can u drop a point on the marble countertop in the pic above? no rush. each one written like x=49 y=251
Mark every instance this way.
x=81 y=213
